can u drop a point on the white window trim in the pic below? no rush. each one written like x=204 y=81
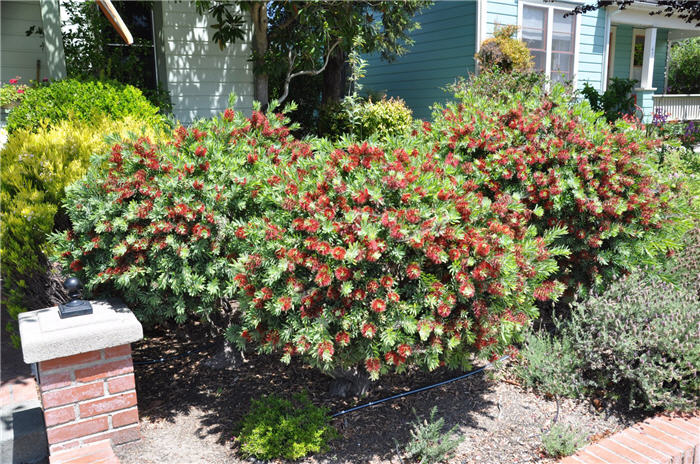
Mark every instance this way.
x=550 y=22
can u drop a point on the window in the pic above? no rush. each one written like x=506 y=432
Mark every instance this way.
x=549 y=34
x=637 y=56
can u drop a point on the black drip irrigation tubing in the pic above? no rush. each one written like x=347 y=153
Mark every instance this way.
x=362 y=406
x=418 y=390
x=170 y=358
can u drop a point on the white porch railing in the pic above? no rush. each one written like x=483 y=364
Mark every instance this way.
x=679 y=107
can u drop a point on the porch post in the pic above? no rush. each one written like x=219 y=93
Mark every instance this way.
x=648 y=63
x=53 y=38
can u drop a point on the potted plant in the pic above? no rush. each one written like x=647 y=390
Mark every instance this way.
x=12 y=93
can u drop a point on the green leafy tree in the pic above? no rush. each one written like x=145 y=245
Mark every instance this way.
x=684 y=67
x=293 y=39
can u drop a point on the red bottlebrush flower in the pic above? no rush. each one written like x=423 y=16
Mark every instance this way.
x=252 y=158
x=378 y=305
x=413 y=271
x=343 y=273
x=387 y=281
x=13 y=81
x=338 y=253
x=482 y=249
x=361 y=197
x=372 y=286
x=197 y=185
x=323 y=279
x=393 y=297
x=240 y=233
x=325 y=350
x=544 y=291
x=324 y=248
x=342 y=338
x=368 y=330
x=359 y=294
x=205 y=166
x=373 y=364
x=229 y=114
x=404 y=350
x=200 y=151
x=467 y=289
x=76 y=265
x=444 y=310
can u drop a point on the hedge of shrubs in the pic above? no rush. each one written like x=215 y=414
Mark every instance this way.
x=418 y=250
x=53 y=133
x=85 y=101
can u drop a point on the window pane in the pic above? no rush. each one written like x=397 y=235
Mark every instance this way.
x=539 y=60
x=563 y=32
x=534 y=21
x=638 y=50
x=562 y=64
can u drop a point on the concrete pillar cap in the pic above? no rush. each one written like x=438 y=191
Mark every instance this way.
x=46 y=336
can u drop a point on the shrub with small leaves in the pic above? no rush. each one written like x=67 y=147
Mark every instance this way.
x=505 y=52
x=571 y=170
x=429 y=443
x=549 y=364
x=366 y=118
x=280 y=428
x=638 y=339
x=562 y=440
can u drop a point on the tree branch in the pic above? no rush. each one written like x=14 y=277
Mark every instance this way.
x=314 y=72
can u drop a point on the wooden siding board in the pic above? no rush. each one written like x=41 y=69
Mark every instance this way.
x=200 y=77
x=19 y=52
x=443 y=50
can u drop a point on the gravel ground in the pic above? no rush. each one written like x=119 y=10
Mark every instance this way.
x=189 y=412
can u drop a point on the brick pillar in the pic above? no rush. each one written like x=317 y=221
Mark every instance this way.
x=89 y=397
x=85 y=373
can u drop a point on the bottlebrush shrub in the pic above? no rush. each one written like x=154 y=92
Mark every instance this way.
x=157 y=224
x=36 y=168
x=370 y=255
x=598 y=182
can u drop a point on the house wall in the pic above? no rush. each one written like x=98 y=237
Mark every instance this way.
x=197 y=73
x=623 y=55
x=19 y=53
x=443 y=51
x=591 y=52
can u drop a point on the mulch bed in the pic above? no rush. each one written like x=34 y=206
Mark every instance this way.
x=189 y=412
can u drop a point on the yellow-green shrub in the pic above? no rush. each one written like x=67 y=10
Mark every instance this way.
x=388 y=117
x=504 y=51
x=36 y=167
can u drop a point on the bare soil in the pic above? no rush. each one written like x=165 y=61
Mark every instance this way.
x=189 y=412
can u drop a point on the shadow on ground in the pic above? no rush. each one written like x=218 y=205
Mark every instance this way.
x=220 y=398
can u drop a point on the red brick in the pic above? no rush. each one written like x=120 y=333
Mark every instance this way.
x=105 y=369
x=115 y=351
x=643 y=446
x=634 y=456
x=59 y=415
x=110 y=404
x=589 y=458
x=119 y=436
x=657 y=444
x=97 y=451
x=683 y=424
x=121 y=384
x=686 y=437
x=76 y=430
x=122 y=418
x=74 y=394
x=574 y=459
x=607 y=455
x=55 y=380
x=69 y=361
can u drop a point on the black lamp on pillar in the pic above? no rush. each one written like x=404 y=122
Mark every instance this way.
x=76 y=306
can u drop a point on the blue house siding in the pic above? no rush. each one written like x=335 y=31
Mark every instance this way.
x=660 y=60
x=623 y=55
x=443 y=51
x=591 y=51
x=500 y=13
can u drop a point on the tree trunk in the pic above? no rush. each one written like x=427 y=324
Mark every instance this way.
x=258 y=14
x=334 y=77
x=349 y=382
x=227 y=355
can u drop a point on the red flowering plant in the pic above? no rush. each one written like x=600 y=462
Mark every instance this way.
x=157 y=225
x=378 y=257
x=569 y=169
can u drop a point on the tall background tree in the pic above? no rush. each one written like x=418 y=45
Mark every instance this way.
x=307 y=38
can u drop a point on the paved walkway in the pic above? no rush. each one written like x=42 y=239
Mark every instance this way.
x=664 y=439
